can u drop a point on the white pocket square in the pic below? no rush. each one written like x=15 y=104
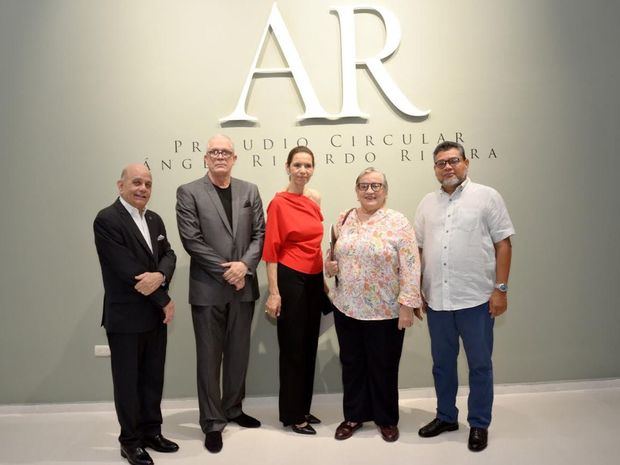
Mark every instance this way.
x=160 y=238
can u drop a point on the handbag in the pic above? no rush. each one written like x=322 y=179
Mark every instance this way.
x=332 y=245
x=326 y=304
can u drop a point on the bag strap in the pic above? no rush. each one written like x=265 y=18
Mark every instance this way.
x=344 y=220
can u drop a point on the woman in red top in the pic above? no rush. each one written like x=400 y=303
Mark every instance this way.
x=292 y=250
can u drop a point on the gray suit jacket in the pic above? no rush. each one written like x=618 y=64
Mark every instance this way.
x=210 y=240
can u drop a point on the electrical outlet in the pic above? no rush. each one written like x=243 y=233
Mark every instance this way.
x=102 y=351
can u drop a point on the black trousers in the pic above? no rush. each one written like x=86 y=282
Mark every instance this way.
x=370 y=354
x=298 y=336
x=138 y=376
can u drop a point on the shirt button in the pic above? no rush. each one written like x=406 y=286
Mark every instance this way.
x=444 y=264
x=446 y=230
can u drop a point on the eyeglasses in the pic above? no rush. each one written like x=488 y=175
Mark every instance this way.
x=375 y=186
x=441 y=164
x=217 y=153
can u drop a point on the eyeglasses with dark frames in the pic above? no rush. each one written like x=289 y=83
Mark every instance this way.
x=374 y=186
x=217 y=153
x=441 y=164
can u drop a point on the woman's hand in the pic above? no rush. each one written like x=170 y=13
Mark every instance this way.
x=405 y=317
x=331 y=268
x=273 y=305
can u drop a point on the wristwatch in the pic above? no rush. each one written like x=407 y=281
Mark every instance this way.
x=501 y=287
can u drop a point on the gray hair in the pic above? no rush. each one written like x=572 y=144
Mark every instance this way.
x=223 y=136
x=371 y=169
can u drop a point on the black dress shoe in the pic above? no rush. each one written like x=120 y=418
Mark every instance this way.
x=312 y=419
x=159 y=443
x=478 y=439
x=436 y=427
x=136 y=455
x=306 y=429
x=246 y=421
x=213 y=441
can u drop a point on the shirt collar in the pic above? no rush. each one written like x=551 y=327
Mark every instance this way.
x=133 y=211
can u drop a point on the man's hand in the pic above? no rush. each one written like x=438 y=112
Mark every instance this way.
x=169 y=312
x=498 y=303
x=417 y=312
x=240 y=284
x=405 y=317
x=235 y=271
x=148 y=282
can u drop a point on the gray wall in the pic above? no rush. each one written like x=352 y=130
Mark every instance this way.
x=86 y=87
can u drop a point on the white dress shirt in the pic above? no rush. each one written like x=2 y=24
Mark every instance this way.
x=457 y=234
x=140 y=221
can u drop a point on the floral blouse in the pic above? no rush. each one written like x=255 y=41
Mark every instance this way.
x=378 y=266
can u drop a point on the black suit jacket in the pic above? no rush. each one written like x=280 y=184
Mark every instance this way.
x=124 y=254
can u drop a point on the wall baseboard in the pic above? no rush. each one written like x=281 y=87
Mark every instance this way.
x=405 y=394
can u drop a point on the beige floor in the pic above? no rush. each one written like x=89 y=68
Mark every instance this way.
x=563 y=424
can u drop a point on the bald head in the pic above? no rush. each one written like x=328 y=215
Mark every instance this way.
x=133 y=169
x=135 y=185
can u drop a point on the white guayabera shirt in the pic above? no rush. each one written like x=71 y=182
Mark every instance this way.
x=456 y=233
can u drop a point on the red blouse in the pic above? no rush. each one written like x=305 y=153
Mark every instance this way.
x=294 y=232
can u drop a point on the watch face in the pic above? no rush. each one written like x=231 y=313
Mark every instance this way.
x=502 y=287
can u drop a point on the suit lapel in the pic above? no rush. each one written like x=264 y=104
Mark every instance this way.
x=236 y=204
x=131 y=224
x=154 y=233
x=215 y=199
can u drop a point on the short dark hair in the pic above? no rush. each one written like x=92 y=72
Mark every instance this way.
x=447 y=145
x=298 y=149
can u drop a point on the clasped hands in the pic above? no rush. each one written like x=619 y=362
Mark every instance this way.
x=235 y=274
x=149 y=282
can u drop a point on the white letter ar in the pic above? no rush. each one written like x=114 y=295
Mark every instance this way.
x=350 y=107
x=296 y=69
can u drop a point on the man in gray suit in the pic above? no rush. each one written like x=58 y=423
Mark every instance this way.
x=222 y=228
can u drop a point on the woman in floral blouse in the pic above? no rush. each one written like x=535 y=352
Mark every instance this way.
x=377 y=265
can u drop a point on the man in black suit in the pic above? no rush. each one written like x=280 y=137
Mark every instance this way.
x=137 y=264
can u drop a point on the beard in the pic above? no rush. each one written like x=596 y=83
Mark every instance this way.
x=454 y=181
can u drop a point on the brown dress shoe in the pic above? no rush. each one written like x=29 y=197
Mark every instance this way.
x=389 y=433
x=346 y=429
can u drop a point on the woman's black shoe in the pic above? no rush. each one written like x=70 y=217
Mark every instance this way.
x=306 y=429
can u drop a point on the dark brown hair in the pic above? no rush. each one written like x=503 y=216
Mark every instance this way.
x=298 y=149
